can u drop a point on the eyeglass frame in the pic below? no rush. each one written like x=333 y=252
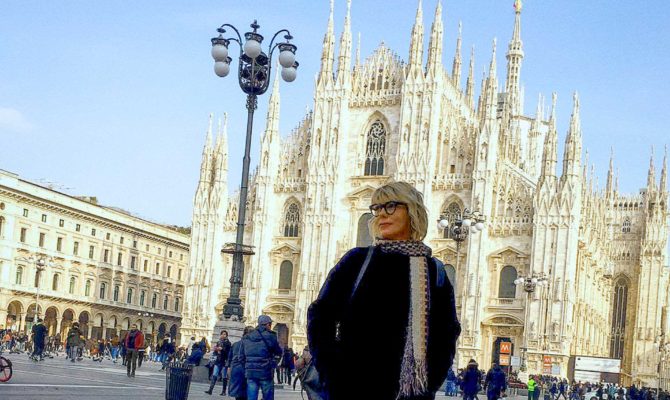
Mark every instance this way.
x=385 y=206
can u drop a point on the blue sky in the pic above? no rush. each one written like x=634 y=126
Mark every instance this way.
x=111 y=98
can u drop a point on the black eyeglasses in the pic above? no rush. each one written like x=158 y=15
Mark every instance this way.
x=389 y=207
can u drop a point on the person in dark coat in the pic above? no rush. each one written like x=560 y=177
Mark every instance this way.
x=407 y=349
x=167 y=351
x=261 y=351
x=39 y=332
x=222 y=350
x=471 y=383
x=287 y=365
x=495 y=382
x=238 y=382
x=73 y=342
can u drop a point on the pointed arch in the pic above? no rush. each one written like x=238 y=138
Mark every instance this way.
x=452 y=209
x=291 y=218
x=376 y=133
x=619 y=311
x=506 y=286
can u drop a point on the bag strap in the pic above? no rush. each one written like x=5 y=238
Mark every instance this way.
x=362 y=272
x=265 y=342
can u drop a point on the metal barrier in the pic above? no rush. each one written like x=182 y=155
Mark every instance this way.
x=178 y=380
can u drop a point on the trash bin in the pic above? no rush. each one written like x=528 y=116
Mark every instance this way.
x=178 y=380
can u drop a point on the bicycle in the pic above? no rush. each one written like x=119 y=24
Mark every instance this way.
x=5 y=369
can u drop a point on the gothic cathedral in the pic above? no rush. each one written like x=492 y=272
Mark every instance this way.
x=386 y=119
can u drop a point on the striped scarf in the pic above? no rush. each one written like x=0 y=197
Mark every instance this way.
x=414 y=368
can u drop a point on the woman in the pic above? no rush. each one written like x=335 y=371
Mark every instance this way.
x=238 y=383
x=401 y=320
x=73 y=341
x=472 y=381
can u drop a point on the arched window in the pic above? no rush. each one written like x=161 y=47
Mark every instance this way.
x=55 y=282
x=619 y=318
x=154 y=299
x=87 y=288
x=291 y=221
x=452 y=212
x=375 y=149
x=129 y=298
x=626 y=226
x=73 y=282
x=2 y=225
x=286 y=275
x=165 y=302
x=507 y=288
x=142 y=296
x=103 y=290
x=451 y=274
x=19 y=275
x=38 y=275
x=116 y=292
x=176 y=303
x=364 y=236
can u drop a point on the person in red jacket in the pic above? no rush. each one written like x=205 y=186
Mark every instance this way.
x=134 y=342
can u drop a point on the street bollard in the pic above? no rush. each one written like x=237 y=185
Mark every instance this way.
x=178 y=380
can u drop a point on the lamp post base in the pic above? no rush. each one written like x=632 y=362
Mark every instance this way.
x=233 y=325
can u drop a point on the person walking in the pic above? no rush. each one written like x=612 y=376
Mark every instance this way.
x=39 y=332
x=531 y=388
x=394 y=291
x=222 y=352
x=238 y=382
x=134 y=341
x=287 y=364
x=141 y=353
x=167 y=351
x=496 y=382
x=472 y=379
x=260 y=350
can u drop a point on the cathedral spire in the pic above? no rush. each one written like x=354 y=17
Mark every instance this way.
x=272 y=122
x=664 y=173
x=328 y=52
x=358 y=51
x=456 y=68
x=434 y=66
x=416 y=43
x=205 y=164
x=514 y=58
x=221 y=150
x=470 y=84
x=651 y=176
x=573 y=142
x=344 y=60
x=609 y=186
x=493 y=66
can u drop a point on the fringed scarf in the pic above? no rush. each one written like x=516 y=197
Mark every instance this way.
x=414 y=368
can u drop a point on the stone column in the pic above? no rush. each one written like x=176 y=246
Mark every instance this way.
x=3 y=318
x=58 y=325
x=22 y=322
x=90 y=330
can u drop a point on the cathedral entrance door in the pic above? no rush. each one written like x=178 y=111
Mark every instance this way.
x=282 y=334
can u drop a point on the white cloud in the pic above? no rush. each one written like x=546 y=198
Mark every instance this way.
x=13 y=120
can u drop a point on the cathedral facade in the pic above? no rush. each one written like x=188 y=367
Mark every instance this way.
x=382 y=119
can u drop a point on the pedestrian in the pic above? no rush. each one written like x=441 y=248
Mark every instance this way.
x=496 y=382
x=189 y=348
x=451 y=383
x=134 y=341
x=402 y=315
x=167 y=351
x=287 y=364
x=39 y=332
x=531 y=388
x=261 y=351
x=222 y=352
x=472 y=379
x=238 y=381
x=141 y=353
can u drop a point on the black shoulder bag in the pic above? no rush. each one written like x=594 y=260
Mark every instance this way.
x=308 y=375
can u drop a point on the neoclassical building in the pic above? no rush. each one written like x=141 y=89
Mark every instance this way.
x=385 y=119
x=108 y=269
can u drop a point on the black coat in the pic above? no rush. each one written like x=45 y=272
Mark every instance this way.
x=372 y=328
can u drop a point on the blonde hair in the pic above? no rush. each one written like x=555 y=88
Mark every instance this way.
x=416 y=210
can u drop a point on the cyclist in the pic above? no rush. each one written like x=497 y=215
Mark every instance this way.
x=39 y=332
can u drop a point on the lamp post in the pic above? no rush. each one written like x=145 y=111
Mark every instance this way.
x=41 y=263
x=460 y=227
x=529 y=284
x=254 y=78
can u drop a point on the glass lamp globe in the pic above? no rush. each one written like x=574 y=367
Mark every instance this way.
x=221 y=68
x=219 y=52
x=443 y=223
x=480 y=225
x=473 y=229
x=252 y=48
x=534 y=280
x=288 y=74
x=467 y=222
x=287 y=55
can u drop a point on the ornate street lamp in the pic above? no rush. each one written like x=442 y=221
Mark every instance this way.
x=470 y=222
x=529 y=283
x=41 y=263
x=253 y=74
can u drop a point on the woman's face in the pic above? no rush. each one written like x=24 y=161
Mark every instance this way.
x=395 y=226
